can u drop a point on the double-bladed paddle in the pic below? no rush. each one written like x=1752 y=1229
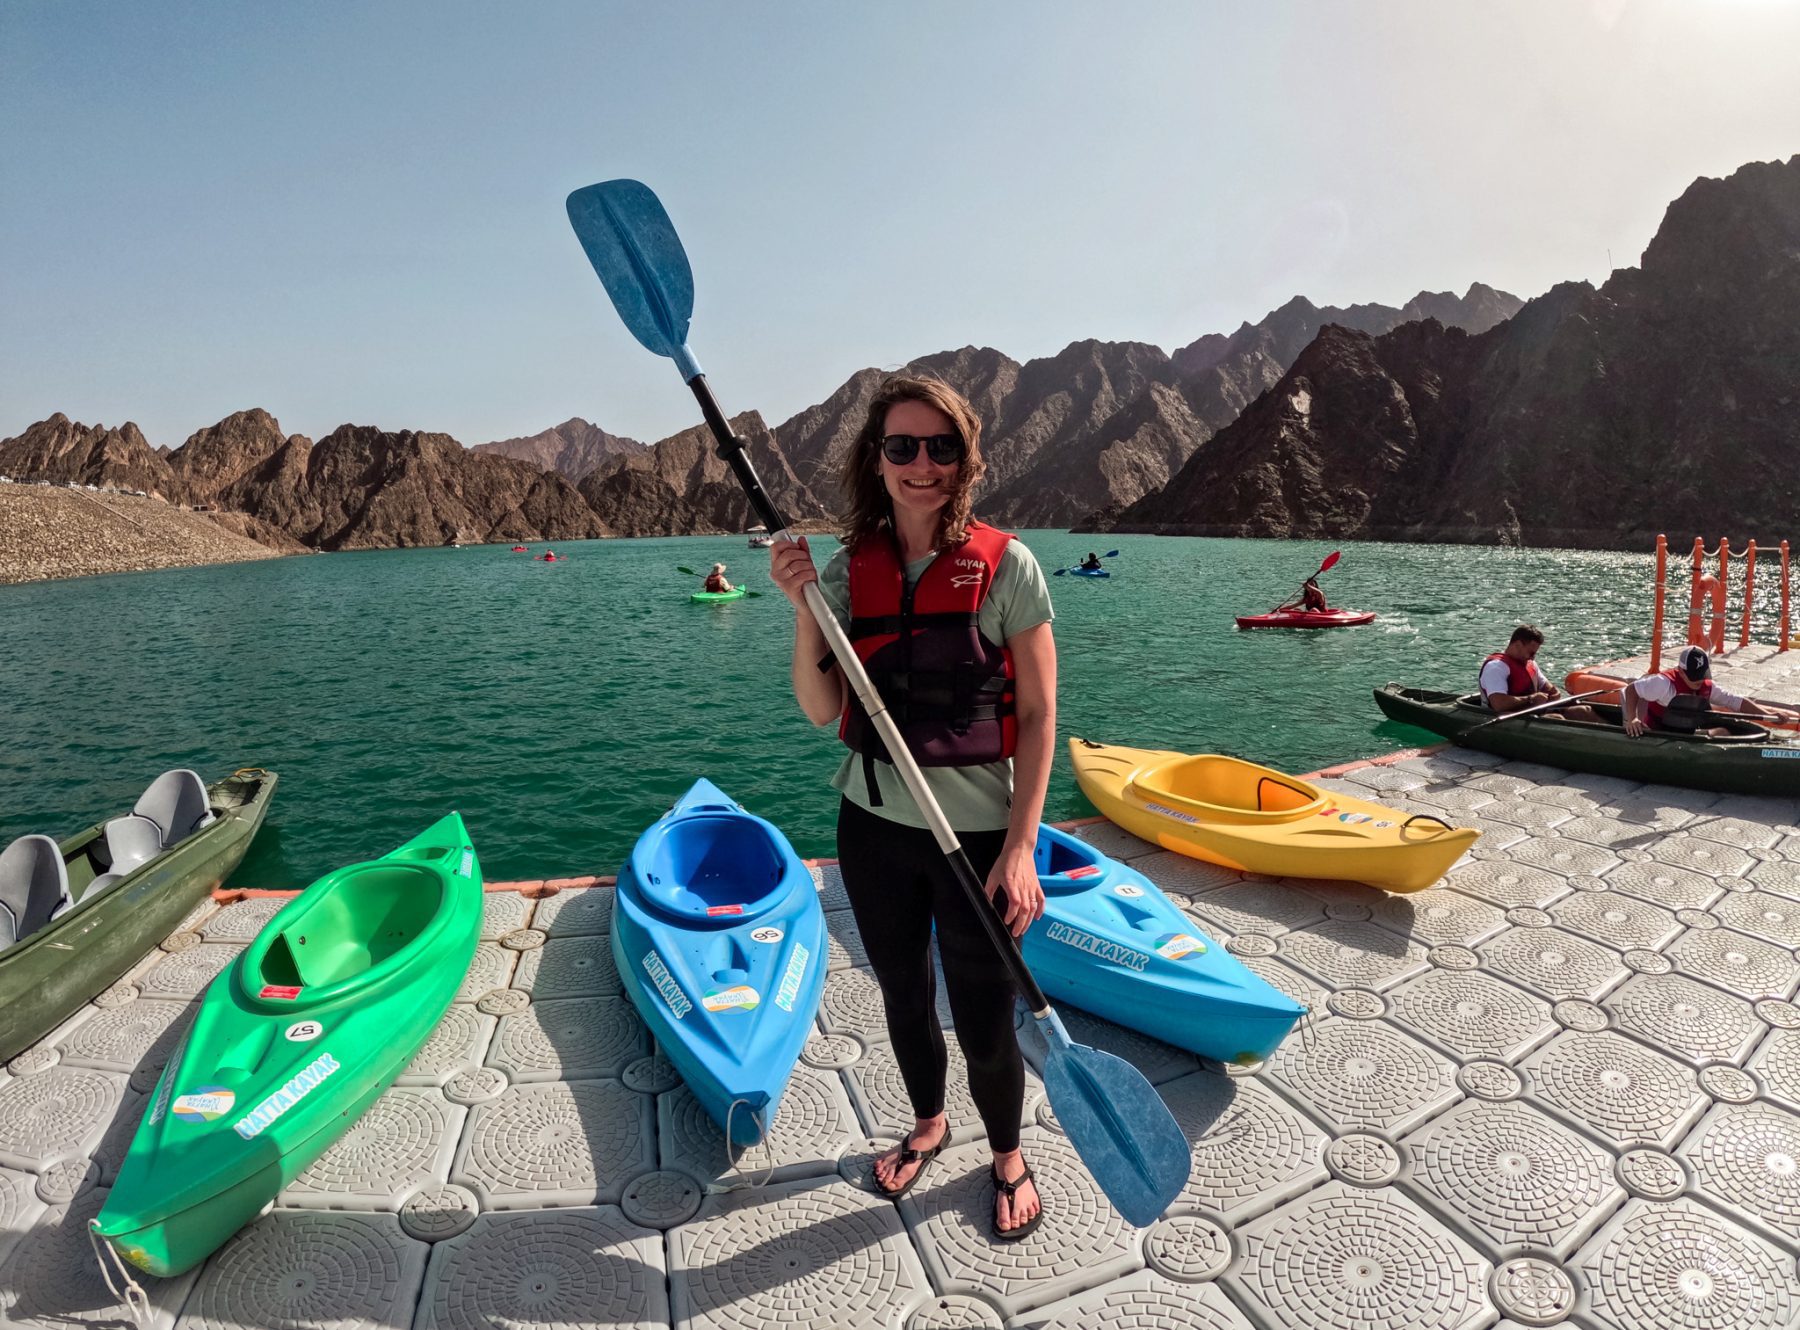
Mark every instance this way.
x=1330 y=562
x=1124 y=1133
x=1551 y=705
x=1110 y=554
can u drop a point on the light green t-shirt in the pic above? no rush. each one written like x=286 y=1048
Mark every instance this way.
x=973 y=798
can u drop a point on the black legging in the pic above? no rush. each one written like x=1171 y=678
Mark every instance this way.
x=898 y=883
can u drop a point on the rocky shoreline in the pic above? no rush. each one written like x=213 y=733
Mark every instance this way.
x=57 y=532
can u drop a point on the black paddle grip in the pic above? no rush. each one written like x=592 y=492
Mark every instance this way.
x=731 y=448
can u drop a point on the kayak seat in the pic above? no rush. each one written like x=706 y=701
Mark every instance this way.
x=176 y=803
x=721 y=868
x=1277 y=796
x=370 y=913
x=131 y=842
x=1229 y=785
x=34 y=887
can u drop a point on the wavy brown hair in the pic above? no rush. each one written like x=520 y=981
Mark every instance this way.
x=871 y=510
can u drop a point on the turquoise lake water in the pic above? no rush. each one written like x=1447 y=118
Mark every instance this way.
x=562 y=707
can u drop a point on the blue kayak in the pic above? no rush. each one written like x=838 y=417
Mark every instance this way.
x=1090 y=572
x=1112 y=944
x=720 y=942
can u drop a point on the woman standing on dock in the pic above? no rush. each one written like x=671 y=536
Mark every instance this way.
x=952 y=620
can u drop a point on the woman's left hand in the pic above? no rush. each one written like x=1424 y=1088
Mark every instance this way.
x=1021 y=897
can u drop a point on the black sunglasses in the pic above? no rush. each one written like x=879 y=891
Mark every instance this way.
x=943 y=449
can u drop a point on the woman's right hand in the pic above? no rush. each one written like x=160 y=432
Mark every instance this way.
x=791 y=568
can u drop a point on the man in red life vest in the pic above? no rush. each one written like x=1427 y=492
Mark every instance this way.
x=1510 y=680
x=717 y=583
x=1679 y=699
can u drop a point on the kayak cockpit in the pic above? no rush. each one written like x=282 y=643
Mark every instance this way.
x=1227 y=789
x=710 y=868
x=371 y=915
x=1612 y=718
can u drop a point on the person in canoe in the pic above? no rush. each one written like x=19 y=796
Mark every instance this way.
x=1510 y=680
x=1677 y=700
x=952 y=619
x=1092 y=562
x=716 y=581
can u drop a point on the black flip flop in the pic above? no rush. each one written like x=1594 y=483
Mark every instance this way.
x=1011 y=1189
x=908 y=1155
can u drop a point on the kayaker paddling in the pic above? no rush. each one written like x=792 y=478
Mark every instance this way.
x=1510 y=680
x=951 y=618
x=1092 y=562
x=716 y=582
x=1311 y=598
x=1679 y=699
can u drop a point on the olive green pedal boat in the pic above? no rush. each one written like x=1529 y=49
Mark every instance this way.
x=292 y=1043
x=109 y=894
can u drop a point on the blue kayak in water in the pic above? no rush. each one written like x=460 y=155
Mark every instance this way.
x=720 y=942
x=1090 y=572
x=1112 y=944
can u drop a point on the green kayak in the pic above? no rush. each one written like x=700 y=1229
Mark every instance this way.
x=292 y=1043
x=116 y=918
x=717 y=597
x=1748 y=761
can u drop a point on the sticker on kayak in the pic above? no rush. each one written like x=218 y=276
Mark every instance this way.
x=724 y=909
x=679 y=1005
x=303 y=1083
x=1384 y=822
x=1086 y=870
x=1177 y=945
x=203 y=1105
x=1129 y=957
x=468 y=863
x=1170 y=812
x=1127 y=890
x=303 y=1032
x=766 y=935
x=283 y=992
x=1781 y=752
x=736 y=997
x=1356 y=818
x=789 y=992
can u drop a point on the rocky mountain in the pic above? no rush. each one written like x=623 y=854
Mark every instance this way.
x=572 y=449
x=681 y=486
x=59 y=450
x=214 y=460
x=1667 y=399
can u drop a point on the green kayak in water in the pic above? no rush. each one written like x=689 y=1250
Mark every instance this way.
x=292 y=1043
x=717 y=597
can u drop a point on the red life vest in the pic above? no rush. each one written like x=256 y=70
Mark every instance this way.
x=1522 y=676
x=948 y=688
x=1681 y=713
x=715 y=583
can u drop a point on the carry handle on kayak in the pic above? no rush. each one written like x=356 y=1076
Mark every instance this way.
x=1108 y=1109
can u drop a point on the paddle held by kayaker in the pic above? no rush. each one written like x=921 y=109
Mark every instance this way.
x=1679 y=699
x=952 y=620
x=1510 y=680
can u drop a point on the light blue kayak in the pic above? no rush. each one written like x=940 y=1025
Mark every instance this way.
x=720 y=941
x=1090 y=572
x=1112 y=944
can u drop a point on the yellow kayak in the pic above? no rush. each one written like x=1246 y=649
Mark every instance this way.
x=1247 y=817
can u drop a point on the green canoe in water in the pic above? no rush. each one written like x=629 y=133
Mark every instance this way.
x=292 y=1043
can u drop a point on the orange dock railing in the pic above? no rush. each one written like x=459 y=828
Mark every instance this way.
x=1707 y=621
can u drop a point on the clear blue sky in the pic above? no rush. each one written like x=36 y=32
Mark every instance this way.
x=353 y=212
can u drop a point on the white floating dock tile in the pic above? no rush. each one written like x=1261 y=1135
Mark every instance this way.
x=1158 y=1061
x=402 y=1142
x=1738 y=831
x=1182 y=875
x=1571 y=858
x=1683 y=850
x=1344 y=953
x=1144 y=1301
x=1251 y=1149
x=1692 y=1020
x=501 y=913
x=1082 y=1242
x=1554 y=964
x=547 y=1270
x=491 y=968
x=458 y=1044
x=1113 y=841
x=1610 y=833
x=581 y=965
x=52 y=1281
x=1781 y=876
x=1508 y=885
x=1761 y=914
x=814 y=1125
x=1746 y=1157
x=292 y=1269
x=187 y=974
x=20 y=1208
x=1510 y=1176
x=829 y=879
x=1530 y=815
x=852 y=1005
x=1343 y=1259
x=812 y=1255
x=564 y=1143
x=1386 y=779
x=1437 y=916
x=242 y=920
x=1269 y=908
x=55 y=1114
x=1676 y=1264
x=1615 y=1086
x=1616 y=920
x=138 y=1034
x=1666 y=885
x=1472 y=1014
x=1735 y=961
x=1363 y=1075
x=882 y=1103
x=1777 y=1063
x=575 y=910
x=1303 y=988
x=580 y=1039
x=843 y=943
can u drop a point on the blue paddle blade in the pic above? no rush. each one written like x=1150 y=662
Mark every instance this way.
x=632 y=244
x=1117 y=1123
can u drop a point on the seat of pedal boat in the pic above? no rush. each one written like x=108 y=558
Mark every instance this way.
x=176 y=803
x=34 y=887
x=371 y=913
x=711 y=870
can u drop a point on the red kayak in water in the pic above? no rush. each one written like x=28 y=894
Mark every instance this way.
x=1306 y=619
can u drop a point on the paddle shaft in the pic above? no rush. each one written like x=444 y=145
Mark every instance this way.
x=1551 y=705
x=731 y=448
